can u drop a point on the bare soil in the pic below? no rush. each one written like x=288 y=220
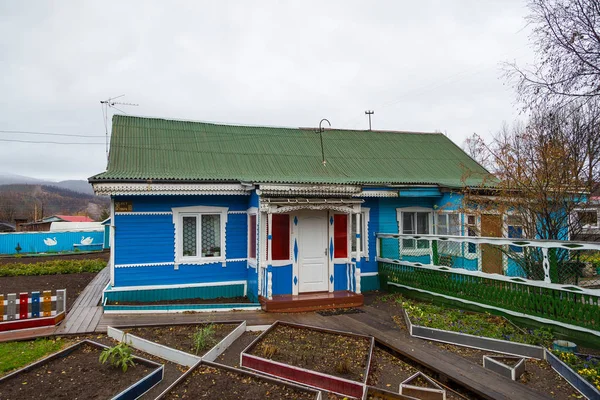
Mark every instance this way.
x=329 y=353
x=180 y=337
x=74 y=283
x=77 y=376
x=231 y=356
x=538 y=375
x=213 y=383
x=102 y=255
x=219 y=300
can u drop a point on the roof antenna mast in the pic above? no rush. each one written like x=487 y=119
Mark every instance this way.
x=369 y=113
x=321 y=129
x=111 y=103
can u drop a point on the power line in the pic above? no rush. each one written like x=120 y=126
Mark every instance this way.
x=53 y=134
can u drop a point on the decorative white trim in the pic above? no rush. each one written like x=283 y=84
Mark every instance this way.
x=176 y=286
x=295 y=190
x=364 y=234
x=249 y=212
x=237 y=212
x=514 y=313
x=340 y=260
x=158 y=264
x=281 y=263
x=162 y=264
x=198 y=211
x=149 y=188
x=317 y=207
x=369 y=273
x=377 y=193
x=144 y=213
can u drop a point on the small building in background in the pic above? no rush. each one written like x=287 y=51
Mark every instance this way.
x=45 y=224
x=7 y=227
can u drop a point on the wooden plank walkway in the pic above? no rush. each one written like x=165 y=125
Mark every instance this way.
x=85 y=314
x=373 y=322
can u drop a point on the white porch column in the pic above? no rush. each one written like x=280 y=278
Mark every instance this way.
x=111 y=240
x=358 y=258
x=269 y=255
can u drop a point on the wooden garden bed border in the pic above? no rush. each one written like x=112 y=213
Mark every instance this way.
x=318 y=380
x=236 y=371
x=132 y=392
x=511 y=372
x=577 y=381
x=174 y=355
x=476 y=342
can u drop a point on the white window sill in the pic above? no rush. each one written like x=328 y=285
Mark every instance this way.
x=200 y=260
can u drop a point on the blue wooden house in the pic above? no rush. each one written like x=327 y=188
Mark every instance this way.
x=202 y=210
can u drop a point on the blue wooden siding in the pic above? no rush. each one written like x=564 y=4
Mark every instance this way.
x=168 y=275
x=282 y=279
x=143 y=239
x=147 y=239
x=33 y=242
x=340 y=281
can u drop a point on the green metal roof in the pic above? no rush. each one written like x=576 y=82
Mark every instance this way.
x=159 y=149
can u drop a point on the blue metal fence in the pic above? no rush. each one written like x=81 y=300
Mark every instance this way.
x=50 y=242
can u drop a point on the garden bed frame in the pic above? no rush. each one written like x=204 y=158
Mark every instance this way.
x=436 y=392
x=239 y=371
x=32 y=310
x=306 y=376
x=171 y=354
x=577 y=381
x=514 y=372
x=476 y=342
x=132 y=392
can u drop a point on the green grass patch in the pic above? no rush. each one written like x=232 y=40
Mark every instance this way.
x=478 y=324
x=15 y=355
x=54 y=267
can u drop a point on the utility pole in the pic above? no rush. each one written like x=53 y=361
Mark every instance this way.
x=369 y=113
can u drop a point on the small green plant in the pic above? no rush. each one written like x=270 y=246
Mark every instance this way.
x=118 y=356
x=18 y=248
x=203 y=337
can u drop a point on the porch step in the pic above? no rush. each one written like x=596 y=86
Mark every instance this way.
x=312 y=301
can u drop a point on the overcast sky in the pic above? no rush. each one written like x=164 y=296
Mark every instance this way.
x=422 y=66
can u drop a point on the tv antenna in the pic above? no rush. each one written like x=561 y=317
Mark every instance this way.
x=321 y=129
x=111 y=103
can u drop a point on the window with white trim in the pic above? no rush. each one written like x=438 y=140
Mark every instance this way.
x=415 y=223
x=252 y=237
x=448 y=224
x=364 y=233
x=199 y=234
x=471 y=230
x=514 y=227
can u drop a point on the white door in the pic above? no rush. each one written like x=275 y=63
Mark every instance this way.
x=312 y=252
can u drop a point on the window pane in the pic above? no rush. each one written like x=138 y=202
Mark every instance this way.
x=189 y=236
x=453 y=224
x=407 y=223
x=280 y=245
x=340 y=235
x=422 y=223
x=252 y=236
x=515 y=232
x=442 y=228
x=211 y=235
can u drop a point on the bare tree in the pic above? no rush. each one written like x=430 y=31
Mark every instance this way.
x=546 y=169
x=566 y=38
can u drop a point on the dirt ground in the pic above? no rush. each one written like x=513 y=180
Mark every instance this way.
x=538 y=375
x=74 y=283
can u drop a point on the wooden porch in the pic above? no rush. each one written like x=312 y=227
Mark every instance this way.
x=312 y=301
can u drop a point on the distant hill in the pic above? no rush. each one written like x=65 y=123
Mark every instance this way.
x=81 y=186
x=22 y=201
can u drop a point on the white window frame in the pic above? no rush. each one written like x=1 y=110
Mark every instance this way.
x=414 y=251
x=198 y=211
x=446 y=215
x=365 y=217
x=253 y=261
x=590 y=209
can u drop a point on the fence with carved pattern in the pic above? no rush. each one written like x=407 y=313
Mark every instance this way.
x=557 y=280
